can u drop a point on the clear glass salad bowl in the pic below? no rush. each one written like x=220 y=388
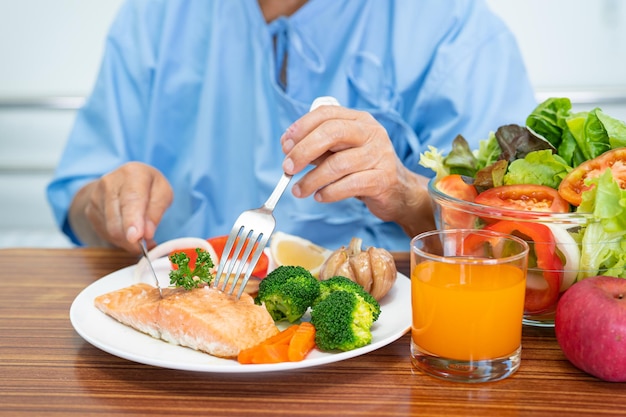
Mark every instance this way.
x=557 y=236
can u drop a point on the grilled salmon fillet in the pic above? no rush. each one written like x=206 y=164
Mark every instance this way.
x=204 y=319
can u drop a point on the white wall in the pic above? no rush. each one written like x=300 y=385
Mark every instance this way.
x=52 y=48
x=48 y=49
x=573 y=48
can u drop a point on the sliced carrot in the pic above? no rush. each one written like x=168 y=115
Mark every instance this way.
x=283 y=337
x=302 y=342
x=246 y=356
x=276 y=353
x=290 y=345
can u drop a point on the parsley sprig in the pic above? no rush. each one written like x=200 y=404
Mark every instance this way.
x=184 y=276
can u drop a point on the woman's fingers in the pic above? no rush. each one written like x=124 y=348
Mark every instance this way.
x=127 y=204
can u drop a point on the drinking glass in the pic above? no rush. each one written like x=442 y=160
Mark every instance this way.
x=467 y=300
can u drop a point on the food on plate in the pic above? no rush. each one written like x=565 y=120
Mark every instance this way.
x=187 y=275
x=340 y=283
x=287 y=292
x=302 y=342
x=219 y=243
x=290 y=345
x=343 y=315
x=590 y=327
x=374 y=269
x=166 y=248
x=203 y=318
x=341 y=323
x=288 y=249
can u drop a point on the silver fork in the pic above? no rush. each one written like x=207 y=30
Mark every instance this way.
x=252 y=231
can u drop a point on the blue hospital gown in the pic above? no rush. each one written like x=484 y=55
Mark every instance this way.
x=193 y=89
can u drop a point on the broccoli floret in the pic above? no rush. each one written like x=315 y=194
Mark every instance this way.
x=287 y=292
x=342 y=321
x=340 y=283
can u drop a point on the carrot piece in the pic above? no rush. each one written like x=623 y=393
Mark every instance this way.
x=247 y=356
x=275 y=353
x=302 y=342
x=282 y=337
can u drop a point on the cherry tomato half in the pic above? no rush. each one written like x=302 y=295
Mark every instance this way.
x=260 y=270
x=530 y=197
x=454 y=186
x=573 y=185
x=218 y=243
x=191 y=253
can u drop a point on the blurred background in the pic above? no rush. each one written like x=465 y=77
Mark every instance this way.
x=50 y=53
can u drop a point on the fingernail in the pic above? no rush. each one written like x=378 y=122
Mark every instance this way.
x=131 y=234
x=150 y=228
x=287 y=134
x=295 y=190
x=288 y=145
x=288 y=165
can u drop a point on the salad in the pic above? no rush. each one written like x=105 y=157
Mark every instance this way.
x=560 y=162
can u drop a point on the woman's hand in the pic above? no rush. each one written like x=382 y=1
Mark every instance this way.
x=354 y=157
x=121 y=207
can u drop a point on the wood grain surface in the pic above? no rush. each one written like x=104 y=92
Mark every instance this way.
x=47 y=369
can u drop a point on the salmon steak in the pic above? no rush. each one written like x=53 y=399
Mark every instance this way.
x=204 y=319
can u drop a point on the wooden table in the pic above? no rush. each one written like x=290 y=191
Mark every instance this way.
x=46 y=368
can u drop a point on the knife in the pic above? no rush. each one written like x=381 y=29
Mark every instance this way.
x=144 y=249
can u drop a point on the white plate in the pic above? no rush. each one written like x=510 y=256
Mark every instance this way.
x=120 y=340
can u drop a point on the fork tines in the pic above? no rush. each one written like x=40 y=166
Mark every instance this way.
x=240 y=261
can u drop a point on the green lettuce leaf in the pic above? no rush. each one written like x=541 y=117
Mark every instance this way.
x=547 y=119
x=596 y=138
x=576 y=127
x=488 y=151
x=615 y=129
x=602 y=253
x=460 y=160
x=604 y=240
x=595 y=133
x=569 y=150
x=606 y=201
x=433 y=159
x=538 y=167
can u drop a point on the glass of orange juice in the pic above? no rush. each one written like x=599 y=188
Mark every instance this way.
x=467 y=299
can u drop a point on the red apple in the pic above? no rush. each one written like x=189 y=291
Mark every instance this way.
x=590 y=326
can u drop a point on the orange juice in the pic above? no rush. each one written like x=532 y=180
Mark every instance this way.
x=467 y=311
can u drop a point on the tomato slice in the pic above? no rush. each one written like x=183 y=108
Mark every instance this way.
x=573 y=185
x=529 y=197
x=191 y=253
x=542 y=242
x=218 y=243
x=454 y=186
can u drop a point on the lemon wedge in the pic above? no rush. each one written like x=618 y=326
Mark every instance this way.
x=287 y=249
